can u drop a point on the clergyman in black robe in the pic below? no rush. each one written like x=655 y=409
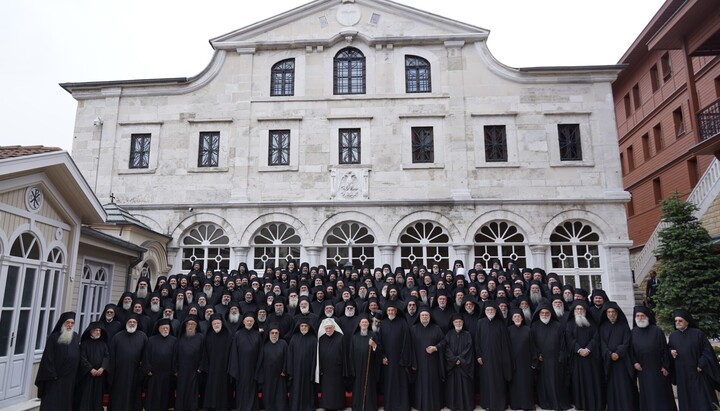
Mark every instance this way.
x=300 y=367
x=652 y=362
x=125 y=379
x=696 y=368
x=459 y=367
x=244 y=366
x=188 y=354
x=364 y=366
x=273 y=378
x=524 y=362
x=428 y=341
x=94 y=359
x=616 y=355
x=214 y=365
x=396 y=346
x=331 y=368
x=583 y=346
x=159 y=366
x=492 y=351
x=55 y=379
x=549 y=342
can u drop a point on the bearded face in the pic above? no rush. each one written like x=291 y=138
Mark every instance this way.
x=234 y=317
x=580 y=318
x=545 y=316
x=142 y=291
x=66 y=333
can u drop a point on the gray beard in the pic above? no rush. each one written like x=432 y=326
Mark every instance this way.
x=209 y=294
x=363 y=332
x=559 y=311
x=292 y=304
x=527 y=314
x=189 y=333
x=642 y=324
x=581 y=321
x=126 y=306
x=179 y=306
x=65 y=337
x=375 y=328
x=535 y=298
x=142 y=293
x=155 y=308
x=545 y=320
x=234 y=318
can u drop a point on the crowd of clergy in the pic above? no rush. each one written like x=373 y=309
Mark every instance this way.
x=302 y=338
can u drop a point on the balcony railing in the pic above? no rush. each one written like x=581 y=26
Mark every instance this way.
x=709 y=121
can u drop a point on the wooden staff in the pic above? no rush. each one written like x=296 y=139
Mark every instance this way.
x=367 y=374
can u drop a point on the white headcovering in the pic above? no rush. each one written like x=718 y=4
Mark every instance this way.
x=321 y=332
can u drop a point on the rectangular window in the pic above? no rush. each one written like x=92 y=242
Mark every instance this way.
x=628 y=106
x=679 y=123
x=209 y=151
x=279 y=148
x=630 y=158
x=495 y=144
x=349 y=146
x=654 y=78
x=636 y=95
x=657 y=190
x=693 y=174
x=657 y=136
x=423 y=145
x=140 y=151
x=569 y=139
x=646 y=147
x=665 y=66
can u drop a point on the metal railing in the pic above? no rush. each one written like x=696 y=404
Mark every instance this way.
x=709 y=121
x=702 y=196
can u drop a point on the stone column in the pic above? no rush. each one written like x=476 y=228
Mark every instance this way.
x=617 y=277
x=240 y=254
x=387 y=255
x=539 y=259
x=462 y=253
x=313 y=254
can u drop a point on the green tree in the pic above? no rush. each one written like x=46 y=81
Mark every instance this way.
x=689 y=268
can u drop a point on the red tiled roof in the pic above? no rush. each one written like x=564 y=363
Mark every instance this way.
x=19 y=151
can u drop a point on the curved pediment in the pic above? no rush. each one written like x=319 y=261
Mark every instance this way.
x=326 y=22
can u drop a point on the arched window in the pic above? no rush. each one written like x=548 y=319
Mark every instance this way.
x=282 y=78
x=575 y=254
x=26 y=246
x=501 y=240
x=208 y=245
x=350 y=242
x=49 y=295
x=349 y=72
x=424 y=243
x=417 y=75
x=94 y=292
x=275 y=245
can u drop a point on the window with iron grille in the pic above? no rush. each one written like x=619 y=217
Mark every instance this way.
x=140 y=151
x=283 y=78
x=349 y=146
x=349 y=72
x=209 y=151
x=495 y=144
x=423 y=145
x=279 y=148
x=417 y=75
x=569 y=139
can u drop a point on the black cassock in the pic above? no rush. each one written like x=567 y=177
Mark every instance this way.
x=620 y=375
x=331 y=352
x=696 y=390
x=549 y=343
x=159 y=360
x=428 y=368
x=396 y=345
x=188 y=354
x=585 y=372
x=364 y=367
x=651 y=352
x=56 y=376
x=492 y=344
x=301 y=358
x=94 y=354
x=523 y=353
x=214 y=365
x=459 y=389
x=245 y=359
x=126 y=352
x=274 y=384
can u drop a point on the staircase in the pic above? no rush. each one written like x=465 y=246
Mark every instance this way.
x=703 y=195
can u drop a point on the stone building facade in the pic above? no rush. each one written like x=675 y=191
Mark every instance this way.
x=366 y=132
